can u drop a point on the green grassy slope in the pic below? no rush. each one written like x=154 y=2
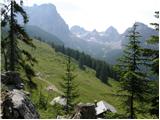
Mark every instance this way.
x=51 y=68
x=49 y=72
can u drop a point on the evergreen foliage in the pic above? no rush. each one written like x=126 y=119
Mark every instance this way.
x=82 y=61
x=110 y=115
x=103 y=70
x=42 y=101
x=152 y=55
x=69 y=87
x=132 y=79
x=16 y=58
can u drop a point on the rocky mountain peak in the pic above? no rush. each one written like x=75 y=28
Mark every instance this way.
x=47 y=18
x=77 y=29
x=111 y=30
x=94 y=32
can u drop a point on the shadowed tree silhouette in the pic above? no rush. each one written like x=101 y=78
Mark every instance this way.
x=16 y=57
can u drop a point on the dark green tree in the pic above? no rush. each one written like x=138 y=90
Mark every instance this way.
x=69 y=87
x=103 y=73
x=152 y=55
x=16 y=57
x=4 y=52
x=98 y=68
x=132 y=79
x=82 y=61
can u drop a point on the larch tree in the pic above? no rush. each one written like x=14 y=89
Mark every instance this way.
x=16 y=57
x=132 y=79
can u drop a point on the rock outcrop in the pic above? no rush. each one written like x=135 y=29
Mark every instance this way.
x=17 y=106
x=16 y=103
x=85 y=111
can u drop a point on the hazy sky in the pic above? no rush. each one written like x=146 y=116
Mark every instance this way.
x=100 y=14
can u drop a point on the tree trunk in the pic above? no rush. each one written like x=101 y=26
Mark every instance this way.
x=131 y=107
x=5 y=60
x=12 y=46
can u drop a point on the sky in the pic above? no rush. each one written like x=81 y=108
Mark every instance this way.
x=101 y=14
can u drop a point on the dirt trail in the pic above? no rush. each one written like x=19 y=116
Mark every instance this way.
x=51 y=86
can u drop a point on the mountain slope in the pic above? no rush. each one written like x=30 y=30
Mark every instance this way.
x=36 y=32
x=145 y=32
x=51 y=68
x=77 y=30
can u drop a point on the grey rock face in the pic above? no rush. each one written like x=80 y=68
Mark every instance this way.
x=15 y=103
x=17 y=106
x=112 y=34
x=47 y=18
x=77 y=30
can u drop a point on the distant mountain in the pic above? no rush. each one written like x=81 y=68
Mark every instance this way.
x=78 y=31
x=36 y=32
x=144 y=31
x=110 y=35
x=110 y=44
x=106 y=45
x=46 y=17
x=99 y=44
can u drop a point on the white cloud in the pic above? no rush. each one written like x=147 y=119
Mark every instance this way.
x=100 y=14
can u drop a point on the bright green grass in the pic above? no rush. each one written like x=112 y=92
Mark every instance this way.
x=51 y=65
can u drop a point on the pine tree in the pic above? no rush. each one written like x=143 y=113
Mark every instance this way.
x=16 y=57
x=69 y=87
x=132 y=79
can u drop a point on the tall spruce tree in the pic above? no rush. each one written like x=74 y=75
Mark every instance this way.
x=152 y=55
x=132 y=78
x=69 y=87
x=16 y=57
